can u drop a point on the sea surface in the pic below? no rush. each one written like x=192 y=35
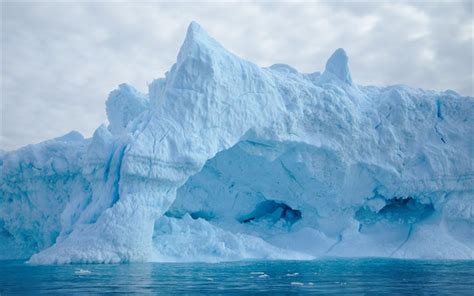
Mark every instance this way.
x=328 y=276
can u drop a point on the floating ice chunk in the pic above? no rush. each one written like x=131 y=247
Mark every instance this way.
x=80 y=271
x=292 y=274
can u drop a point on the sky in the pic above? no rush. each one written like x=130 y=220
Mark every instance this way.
x=60 y=60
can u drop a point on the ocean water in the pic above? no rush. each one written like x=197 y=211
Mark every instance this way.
x=328 y=276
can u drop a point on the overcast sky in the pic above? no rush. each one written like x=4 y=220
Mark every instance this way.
x=60 y=61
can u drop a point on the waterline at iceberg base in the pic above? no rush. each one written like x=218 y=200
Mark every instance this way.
x=223 y=160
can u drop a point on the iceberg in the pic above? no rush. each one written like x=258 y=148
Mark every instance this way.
x=224 y=160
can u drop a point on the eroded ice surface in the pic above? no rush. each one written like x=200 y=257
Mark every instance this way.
x=224 y=160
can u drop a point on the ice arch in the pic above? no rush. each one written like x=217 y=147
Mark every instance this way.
x=379 y=144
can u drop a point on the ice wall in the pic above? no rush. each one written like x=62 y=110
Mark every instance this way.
x=224 y=160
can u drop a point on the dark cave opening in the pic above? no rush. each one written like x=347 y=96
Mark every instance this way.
x=273 y=211
x=398 y=209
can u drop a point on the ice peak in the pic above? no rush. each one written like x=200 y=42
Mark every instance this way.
x=195 y=31
x=338 y=66
x=197 y=41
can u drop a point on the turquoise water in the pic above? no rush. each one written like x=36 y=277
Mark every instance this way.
x=330 y=276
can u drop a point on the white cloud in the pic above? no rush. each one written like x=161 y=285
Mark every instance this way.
x=60 y=60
